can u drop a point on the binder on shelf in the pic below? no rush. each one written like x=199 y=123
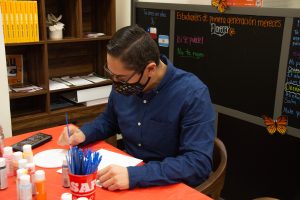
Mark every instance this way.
x=4 y=24
x=31 y=33
x=10 y=21
x=35 y=21
x=20 y=8
x=89 y=94
x=20 y=21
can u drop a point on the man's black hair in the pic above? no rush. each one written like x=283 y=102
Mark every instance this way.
x=134 y=47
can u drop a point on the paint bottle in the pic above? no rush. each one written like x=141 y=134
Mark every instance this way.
x=66 y=196
x=22 y=163
x=20 y=172
x=65 y=174
x=16 y=157
x=3 y=174
x=27 y=153
x=25 y=187
x=1 y=141
x=40 y=184
x=8 y=155
x=31 y=170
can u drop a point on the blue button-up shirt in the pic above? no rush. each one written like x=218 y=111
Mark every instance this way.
x=170 y=127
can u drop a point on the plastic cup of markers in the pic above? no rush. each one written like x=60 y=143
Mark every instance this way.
x=83 y=186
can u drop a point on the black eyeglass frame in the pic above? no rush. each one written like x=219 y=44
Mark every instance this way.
x=114 y=77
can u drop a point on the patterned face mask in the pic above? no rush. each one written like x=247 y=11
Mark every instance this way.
x=127 y=89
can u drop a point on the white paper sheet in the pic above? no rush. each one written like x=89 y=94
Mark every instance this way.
x=76 y=80
x=94 y=79
x=51 y=158
x=109 y=157
x=54 y=85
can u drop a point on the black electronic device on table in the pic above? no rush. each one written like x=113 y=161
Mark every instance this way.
x=35 y=140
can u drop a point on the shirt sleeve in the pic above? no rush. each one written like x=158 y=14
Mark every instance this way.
x=194 y=161
x=103 y=126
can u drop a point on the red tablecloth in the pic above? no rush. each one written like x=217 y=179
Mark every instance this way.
x=54 y=183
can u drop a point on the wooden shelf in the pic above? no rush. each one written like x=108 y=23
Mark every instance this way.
x=74 y=55
x=17 y=95
x=25 y=43
x=69 y=40
x=74 y=108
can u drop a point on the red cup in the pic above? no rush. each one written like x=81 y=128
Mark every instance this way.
x=83 y=186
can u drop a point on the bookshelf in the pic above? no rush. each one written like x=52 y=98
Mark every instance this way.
x=74 y=55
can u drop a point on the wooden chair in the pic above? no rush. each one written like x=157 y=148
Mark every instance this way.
x=214 y=184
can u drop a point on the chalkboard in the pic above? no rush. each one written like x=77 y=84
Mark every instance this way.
x=157 y=23
x=258 y=163
x=291 y=98
x=236 y=56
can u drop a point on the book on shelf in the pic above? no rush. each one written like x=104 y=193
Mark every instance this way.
x=14 y=65
x=89 y=94
x=96 y=102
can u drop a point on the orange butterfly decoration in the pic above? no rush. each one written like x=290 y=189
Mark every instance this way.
x=280 y=124
x=220 y=4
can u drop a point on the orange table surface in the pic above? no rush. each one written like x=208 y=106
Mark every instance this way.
x=54 y=186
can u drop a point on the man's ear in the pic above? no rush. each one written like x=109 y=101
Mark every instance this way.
x=151 y=69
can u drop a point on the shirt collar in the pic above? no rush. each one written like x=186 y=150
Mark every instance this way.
x=167 y=77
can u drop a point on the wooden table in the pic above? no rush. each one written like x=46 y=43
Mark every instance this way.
x=54 y=183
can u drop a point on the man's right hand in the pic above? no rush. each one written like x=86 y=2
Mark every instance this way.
x=76 y=136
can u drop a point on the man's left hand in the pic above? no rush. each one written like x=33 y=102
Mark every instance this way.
x=114 y=177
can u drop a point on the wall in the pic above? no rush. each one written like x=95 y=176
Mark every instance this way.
x=266 y=3
x=282 y=3
x=123 y=9
x=5 y=120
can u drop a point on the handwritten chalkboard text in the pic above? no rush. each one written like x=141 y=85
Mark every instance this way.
x=229 y=20
x=290 y=87
x=154 y=14
x=185 y=52
x=182 y=39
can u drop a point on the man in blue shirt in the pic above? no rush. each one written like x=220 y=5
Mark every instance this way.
x=165 y=116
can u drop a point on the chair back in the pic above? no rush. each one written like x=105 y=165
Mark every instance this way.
x=214 y=184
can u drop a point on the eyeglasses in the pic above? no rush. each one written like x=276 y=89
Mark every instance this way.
x=118 y=78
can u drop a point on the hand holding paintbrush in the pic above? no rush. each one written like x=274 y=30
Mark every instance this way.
x=76 y=136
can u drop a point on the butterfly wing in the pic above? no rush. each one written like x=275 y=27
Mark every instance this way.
x=222 y=6
x=271 y=125
x=215 y=3
x=282 y=122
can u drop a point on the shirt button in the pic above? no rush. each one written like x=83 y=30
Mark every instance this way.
x=139 y=123
x=145 y=101
x=139 y=144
